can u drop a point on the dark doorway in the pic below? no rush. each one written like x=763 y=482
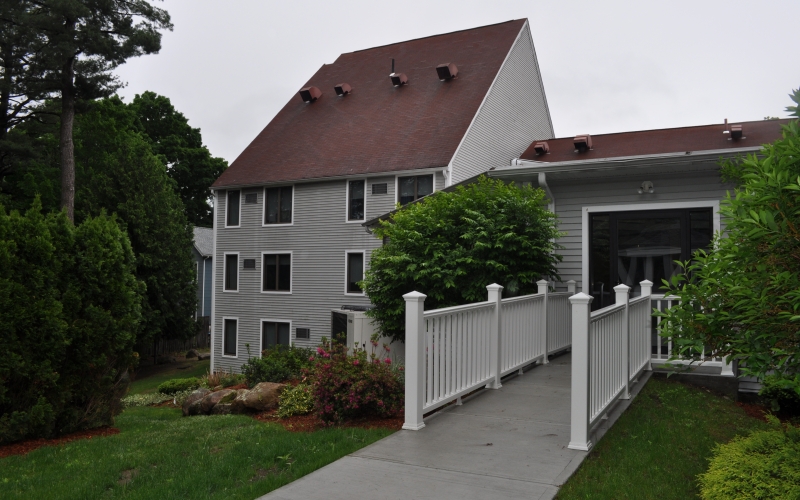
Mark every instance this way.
x=628 y=247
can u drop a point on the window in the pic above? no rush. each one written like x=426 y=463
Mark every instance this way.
x=355 y=200
x=278 y=205
x=355 y=272
x=232 y=209
x=229 y=337
x=302 y=333
x=414 y=188
x=232 y=272
x=274 y=333
x=251 y=198
x=277 y=272
x=379 y=188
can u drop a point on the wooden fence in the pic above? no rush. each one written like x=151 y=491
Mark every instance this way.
x=160 y=347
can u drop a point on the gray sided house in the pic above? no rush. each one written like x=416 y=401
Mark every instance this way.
x=203 y=251
x=633 y=203
x=376 y=128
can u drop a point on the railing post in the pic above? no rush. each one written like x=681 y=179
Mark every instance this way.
x=415 y=360
x=623 y=297
x=544 y=288
x=496 y=363
x=727 y=368
x=579 y=412
x=647 y=291
x=571 y=286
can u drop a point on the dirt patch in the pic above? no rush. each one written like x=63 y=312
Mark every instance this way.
x=24 y=447
x=127 y=476
x=311 y=423
x=237 y=387
x=755 y=411
x=262 y=473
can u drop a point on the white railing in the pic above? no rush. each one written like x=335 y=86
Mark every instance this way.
x=559 y=320
x=607 y=354
x=451 y=352
x=661 y=347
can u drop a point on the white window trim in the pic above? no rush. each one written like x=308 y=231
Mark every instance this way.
x=585 y=211
x=264 y=210
x=226 y=207
x=261 y=331
x=347 y=202
x=222 y=350
x=291 y=272
x=397 y=184
x=363 y=271
x=225 y=271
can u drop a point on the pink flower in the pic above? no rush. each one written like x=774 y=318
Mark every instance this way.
x=355 y=362
x=311 y=358
x=320 y=350
x=326 y=355
x=386 y=347
x=387 y=361
x=374 y=343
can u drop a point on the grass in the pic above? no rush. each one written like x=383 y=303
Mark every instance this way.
x=159 y=454
x=185 y=369
x=659 y=445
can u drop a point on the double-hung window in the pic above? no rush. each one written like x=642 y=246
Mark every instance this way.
x=231 y=272
x=229 y=333
x=278 y=205
x=232 y=206
x=277 y=272
x=274 y=333
x=354 y=272
x=414 y=188
x=356 y=208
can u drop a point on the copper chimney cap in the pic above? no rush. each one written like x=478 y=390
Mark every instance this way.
x=310 y=94
x=342 y=89
x=398 y=79
x=541 y=148
x=447 y=71
x=583 y=142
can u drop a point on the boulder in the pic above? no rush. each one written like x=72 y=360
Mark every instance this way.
x=203 y=356
x=191 y=354
x=238 y=404
x=221 y=409
x=263 y=396
x=211 y=400
x=192 y=404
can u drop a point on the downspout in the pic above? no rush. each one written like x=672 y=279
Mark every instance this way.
x=551 y=203
x=214 y=279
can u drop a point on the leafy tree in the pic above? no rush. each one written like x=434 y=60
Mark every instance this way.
x=742 y=298
x=69 y=314
x=77 y=45
x=180 y=147
x=451 y=245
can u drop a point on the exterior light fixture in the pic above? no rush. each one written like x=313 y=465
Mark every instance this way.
x=647 y=188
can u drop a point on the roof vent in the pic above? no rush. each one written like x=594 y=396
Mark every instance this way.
x=541 y=148
x=342 y=89
x=582 y=143
x=447 y=71
x=398 y=79
x=310 y=94
x=736 y=132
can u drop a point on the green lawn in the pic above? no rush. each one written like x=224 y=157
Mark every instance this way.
x=159 y=454
x=659 y=445
x=179 y=370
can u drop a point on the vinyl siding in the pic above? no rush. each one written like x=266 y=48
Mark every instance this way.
x=318 y=239
x=572 y=196
x=513 y=114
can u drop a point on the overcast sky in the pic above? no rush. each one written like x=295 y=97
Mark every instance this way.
x=610 y=66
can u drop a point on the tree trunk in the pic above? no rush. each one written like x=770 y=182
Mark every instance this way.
x=66 y=145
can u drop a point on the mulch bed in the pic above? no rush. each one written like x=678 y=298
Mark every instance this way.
x=24 y=447
x=311 y=423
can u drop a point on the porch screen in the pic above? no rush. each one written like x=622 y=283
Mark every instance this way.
x=628 y=247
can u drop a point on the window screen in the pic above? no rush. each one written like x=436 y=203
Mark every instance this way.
x=355 y=272
x=229 y=342
x=231 y=272
x=414 y=188
x=273 y=333
x=355 y=200
x=232 y=208
x=277 y=269
x=278 y=205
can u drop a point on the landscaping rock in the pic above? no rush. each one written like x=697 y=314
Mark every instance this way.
x=211 y=400
x=192 y=404
x=192 y=354
x=203 y=356
x=263 y=396
x=238 y=405
x=221 y=409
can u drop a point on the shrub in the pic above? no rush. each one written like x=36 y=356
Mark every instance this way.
x=347 y=387
x=765 y=464
x=781 y=394
x=69 y=314
x=220 y=378
x=278 y=364
x=155 y=398
x=298 y=400
x=179 y=384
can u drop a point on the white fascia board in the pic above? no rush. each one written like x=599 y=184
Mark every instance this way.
x=370 y=175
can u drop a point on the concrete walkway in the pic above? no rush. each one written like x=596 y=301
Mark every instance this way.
x=509 y=443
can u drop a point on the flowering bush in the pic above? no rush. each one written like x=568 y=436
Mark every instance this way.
x=350 y=386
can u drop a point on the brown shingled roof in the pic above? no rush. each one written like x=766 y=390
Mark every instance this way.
x=379 y=128
x=670 y=140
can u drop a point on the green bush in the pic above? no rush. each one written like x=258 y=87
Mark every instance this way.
x=763 y=465
x=347 y=387
x=298 y=400
x=178 y=385
x=781 y=394
x=278 y=364
x=69 y=314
